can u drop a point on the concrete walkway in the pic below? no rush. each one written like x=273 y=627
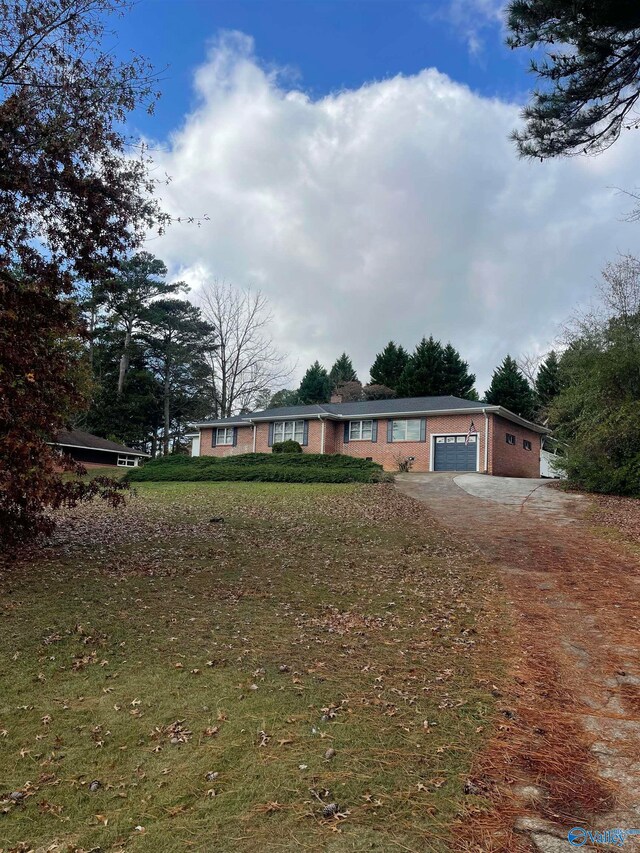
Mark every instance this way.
x=570 y=755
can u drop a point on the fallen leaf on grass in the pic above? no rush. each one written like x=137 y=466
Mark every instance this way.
x=269 y=808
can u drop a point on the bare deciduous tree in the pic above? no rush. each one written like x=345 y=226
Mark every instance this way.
x=529 y=363
x=620 y=288
x=246 y=362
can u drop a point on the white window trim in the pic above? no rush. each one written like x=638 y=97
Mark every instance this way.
x=406 y=440
x=225 y=430
x=283 y=426
x=361 y=437
x=126 y=460
x=432 y=449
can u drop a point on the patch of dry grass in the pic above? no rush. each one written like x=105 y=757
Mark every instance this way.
x=321 y=644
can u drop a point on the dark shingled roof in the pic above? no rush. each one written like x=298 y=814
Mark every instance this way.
x=404 y=405
x=78 y=438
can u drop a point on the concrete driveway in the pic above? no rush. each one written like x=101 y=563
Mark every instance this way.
x=528 y=495
x=569 y=754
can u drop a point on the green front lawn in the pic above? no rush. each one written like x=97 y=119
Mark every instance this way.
x=321 y=644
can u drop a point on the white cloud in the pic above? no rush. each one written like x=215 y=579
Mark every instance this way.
x=472 y=20
x=392 y=211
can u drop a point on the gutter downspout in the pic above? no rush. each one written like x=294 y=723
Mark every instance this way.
x=255 y=431
x=486 y=441
x=322 y=431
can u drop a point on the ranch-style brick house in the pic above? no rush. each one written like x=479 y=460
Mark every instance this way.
x=437 y=433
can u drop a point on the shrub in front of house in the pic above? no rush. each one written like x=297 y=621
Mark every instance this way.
x=288 y=446
x=261 y=467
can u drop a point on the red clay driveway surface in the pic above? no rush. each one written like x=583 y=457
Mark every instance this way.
x=568 y=750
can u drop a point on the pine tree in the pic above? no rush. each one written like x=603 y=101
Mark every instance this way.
x=423 y=375
x=456 y=377
x=342 y=371
x=548 y=380
x=587 y=64
x=315 y=386
x=177 y=341
x=511 y=390
x=388 y=366
x=136 y=283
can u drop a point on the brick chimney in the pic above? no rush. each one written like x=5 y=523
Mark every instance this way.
x=336 y=398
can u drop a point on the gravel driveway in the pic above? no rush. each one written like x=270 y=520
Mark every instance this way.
x=568 y=752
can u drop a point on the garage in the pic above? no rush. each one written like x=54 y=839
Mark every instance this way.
x=455 y=453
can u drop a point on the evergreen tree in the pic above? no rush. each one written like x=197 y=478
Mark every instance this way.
x=511 y=390
x=588 y=62
x=136 y=283
x=423 y=375
x=132 y=417
x=456 y=377
x=342 y=371
x=548 y=380
x=177 y=341
x=388 y=366
x=315 y=386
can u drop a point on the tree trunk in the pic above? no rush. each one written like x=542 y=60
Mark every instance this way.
x=124 y=360
x=92 y=329
x=167 y=419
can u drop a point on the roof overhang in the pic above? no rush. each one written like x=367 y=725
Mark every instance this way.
x=475 y=410
x=227 y=423
x=125 y=451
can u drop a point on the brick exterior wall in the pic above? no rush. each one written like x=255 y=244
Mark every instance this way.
x=314 y=438
x=244 y=443
x=503 y=459
x=512 y=460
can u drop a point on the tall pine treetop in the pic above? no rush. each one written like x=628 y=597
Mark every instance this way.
x=388 y=366
x=342 y=371
x=423 y=375
x=548 y=380
x=315 y=386
x=457 y=380
x=511 y=390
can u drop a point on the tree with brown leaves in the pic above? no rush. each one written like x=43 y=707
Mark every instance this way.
x=73 y=202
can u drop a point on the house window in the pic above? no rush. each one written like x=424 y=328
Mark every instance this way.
x=288 y=431
x=511 y=439
x=526 y=444
x=406 y=430
x=127 y=461
x=360 y=430
x=224 y=435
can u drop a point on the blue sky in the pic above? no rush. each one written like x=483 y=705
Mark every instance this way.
x=354 y=163
x=326 y=46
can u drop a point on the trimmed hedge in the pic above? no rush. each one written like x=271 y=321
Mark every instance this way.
x=260 y=467
x=288 y=446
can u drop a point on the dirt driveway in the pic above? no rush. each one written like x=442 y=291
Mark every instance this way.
x=568 y=752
